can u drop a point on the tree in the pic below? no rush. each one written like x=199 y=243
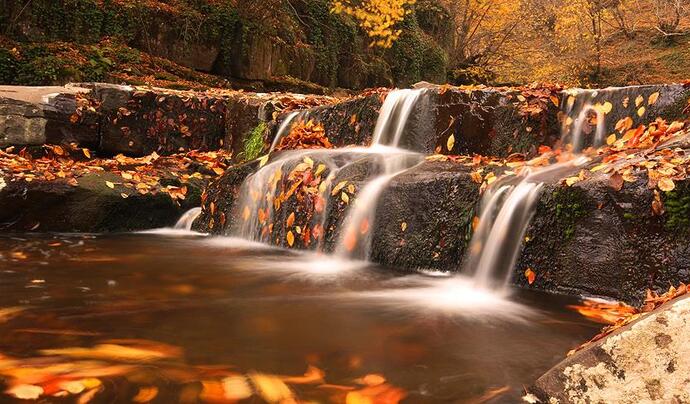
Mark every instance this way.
x=378 y=18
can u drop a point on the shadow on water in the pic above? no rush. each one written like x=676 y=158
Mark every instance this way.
x=230 y=302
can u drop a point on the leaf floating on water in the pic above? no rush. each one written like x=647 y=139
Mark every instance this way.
x=271 y=388
x=290 y=238
x=236 y=388
x=110 y=352
x=451 y=142
x=666 y=184
x=371 y=380
x=313 y=375
x=530 y=275
x=26 y=392
x=146 y=394
x=653 y=98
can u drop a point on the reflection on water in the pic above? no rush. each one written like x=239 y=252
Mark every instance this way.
x=226 y=311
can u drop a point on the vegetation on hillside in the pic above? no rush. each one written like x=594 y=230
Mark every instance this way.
x=311 y=45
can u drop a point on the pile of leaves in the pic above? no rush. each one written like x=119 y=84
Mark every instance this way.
x=90 y=374
x=304 y=189
x=619 y=314
x=305 y=135
x=141 y=175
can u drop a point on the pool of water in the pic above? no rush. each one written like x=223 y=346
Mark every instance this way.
x=185 y=318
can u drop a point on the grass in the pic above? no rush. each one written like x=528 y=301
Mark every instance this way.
x=254 y=144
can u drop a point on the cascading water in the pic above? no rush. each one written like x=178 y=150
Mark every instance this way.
x=509 y=204
x=187 y=220
x=286 y=126
x=262 y=192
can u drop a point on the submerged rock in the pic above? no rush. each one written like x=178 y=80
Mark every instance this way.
x=645 y=361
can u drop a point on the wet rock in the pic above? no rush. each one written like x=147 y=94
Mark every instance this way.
x=645 y=361
x=89 y=206
x=495 y=122
x=139 y=122
x=592 y=239
x=424 y=218
x=31 y=116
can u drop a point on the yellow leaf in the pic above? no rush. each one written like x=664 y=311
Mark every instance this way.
x=451 y=142
x=570 y=181
x=403 y=226
x=271 y=388
x=309 y=161
x=110 y=184
x=263 y=160
x=26 y=391
x=87 y=153
x=639 y=100
x=607 y=107
x=146 y=394
x=321 y=168
x=641 y=111
x=290 y=220
x=666 y=184
x=290 y=238
x=351 y=188
x=338 y=187
x=110 y=352
x=653 y=98
x=611 y=139
x=236 y=388
x=344 y=197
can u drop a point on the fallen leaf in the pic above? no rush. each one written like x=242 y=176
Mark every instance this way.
x=110 y=184
x=345 y=197
x=290 y=220
x=451 y=142
x=530 y=275
x=616 y=181
x=146 y=394
x=653 y=98
x=666 y=184
x=290 y=238
x=611 y=139
x=271 y=388
x=26 y=392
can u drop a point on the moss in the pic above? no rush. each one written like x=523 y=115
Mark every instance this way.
x=254 y=144
x=569 y=208
x=415 y=57
x=677 y=205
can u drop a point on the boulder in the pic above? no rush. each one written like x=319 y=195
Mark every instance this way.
x=31 y=116
x=646 y=361
x=137 y=122
x=89 y=206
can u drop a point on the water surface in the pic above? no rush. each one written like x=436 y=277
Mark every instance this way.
x=226 y=305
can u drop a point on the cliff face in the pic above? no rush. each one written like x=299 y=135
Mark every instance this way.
x=288 y=46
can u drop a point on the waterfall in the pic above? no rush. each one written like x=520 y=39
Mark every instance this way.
x=506 y=211
x=285 y=127
x=260 y=196
x=187 y=219
x=508 y=206
x=355 y=235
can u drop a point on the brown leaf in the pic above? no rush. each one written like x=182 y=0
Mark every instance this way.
x=616 y=181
